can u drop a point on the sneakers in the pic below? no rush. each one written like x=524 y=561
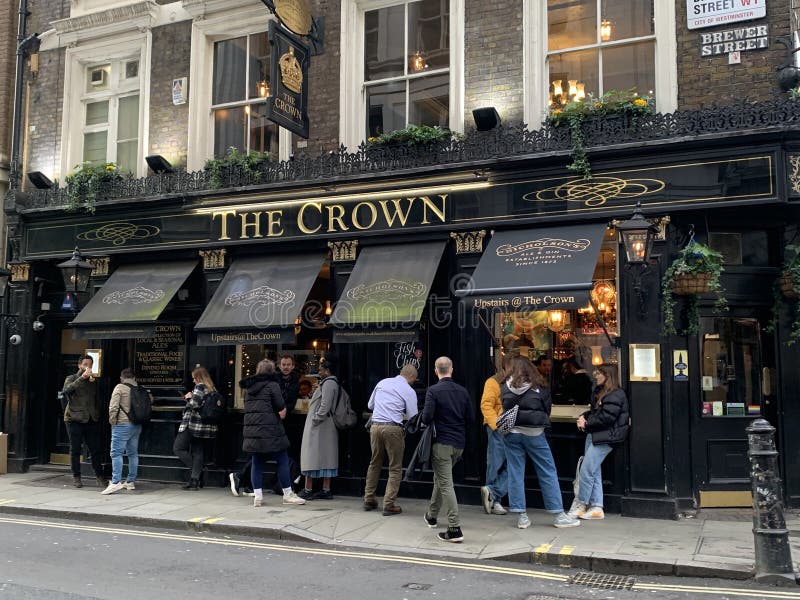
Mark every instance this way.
x=564 y=520
x=497 y=509
x=323 y=495
x=523 y=522
x=306 y=494
x=389 y=511
x=130 y=486
x=429 y=520
x=593 y=513
x=113 y=488
x=577 y=509
x=234 y=479
x=257 y=501
x=453 y=534
x=292 y=498
x=76 y=481
x=486 y=499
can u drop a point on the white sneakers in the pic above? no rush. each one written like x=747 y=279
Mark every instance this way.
x=579 y=510
x=130 y=486
x=497 y=509
x=292 y=498
x=113 y=488
x=490 y=505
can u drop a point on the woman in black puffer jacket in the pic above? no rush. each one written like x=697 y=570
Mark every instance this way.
x=606 y=425
x=264 y=437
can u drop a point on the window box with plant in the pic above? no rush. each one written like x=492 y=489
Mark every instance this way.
x=89 y=183
x=695 y=271
x=413 y=136
x=626 y=106
x=248 y=165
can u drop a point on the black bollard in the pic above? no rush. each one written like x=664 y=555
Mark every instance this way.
x=773 y=554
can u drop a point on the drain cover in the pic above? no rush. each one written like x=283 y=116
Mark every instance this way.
x=602 y=582
x=418 y=586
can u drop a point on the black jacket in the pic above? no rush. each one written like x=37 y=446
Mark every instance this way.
x=534 y=405
x=290 y=388
x=449 y=407
x=608 y=421
x=263 y=430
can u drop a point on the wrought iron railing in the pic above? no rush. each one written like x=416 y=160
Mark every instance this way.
x=475 y=147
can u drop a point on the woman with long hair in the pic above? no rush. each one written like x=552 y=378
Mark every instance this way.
x=263 y=436
x=525 y=388
x=496 y=471
x=193 y=433
x=606 y=425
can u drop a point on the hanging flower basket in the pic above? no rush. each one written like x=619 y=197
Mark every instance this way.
x=692 y=284
x=786 y=283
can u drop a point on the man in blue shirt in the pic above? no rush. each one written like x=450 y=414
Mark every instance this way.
x=391 y=399
x=449 y=407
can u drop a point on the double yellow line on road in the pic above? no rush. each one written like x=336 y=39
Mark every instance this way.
x=414 y=560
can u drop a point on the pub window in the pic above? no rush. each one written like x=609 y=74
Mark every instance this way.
x=568 y=344
x=111 y=130
x=595 y=46
x=407 y=66
x=239 y=93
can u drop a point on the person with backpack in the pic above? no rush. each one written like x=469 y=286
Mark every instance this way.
x=319 y=450
x=194 y=430
x=124 y=433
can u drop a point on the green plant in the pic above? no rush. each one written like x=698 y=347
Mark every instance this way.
x=85 y=183
x=247 y=162
x=790 y=270
x=575 y=112
x=794 y=93
x=413 y=135
x=694 y=259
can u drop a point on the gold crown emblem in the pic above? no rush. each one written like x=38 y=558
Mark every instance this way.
x=291 y=73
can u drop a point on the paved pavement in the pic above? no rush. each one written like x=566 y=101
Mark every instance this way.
x=717 y=544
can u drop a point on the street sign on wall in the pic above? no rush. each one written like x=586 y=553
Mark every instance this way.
x=708 y=13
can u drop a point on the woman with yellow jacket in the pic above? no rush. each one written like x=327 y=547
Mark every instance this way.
x=496 y=472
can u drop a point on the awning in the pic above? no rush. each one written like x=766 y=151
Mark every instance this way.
x=386 y=293
x=259 y=300
x=130 y=302
x=536 y=269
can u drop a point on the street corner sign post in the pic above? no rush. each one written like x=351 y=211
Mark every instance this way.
x=708 y=13
x=287 y=104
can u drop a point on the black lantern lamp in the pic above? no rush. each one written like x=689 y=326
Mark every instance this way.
x=637 y=235
x=76 y=272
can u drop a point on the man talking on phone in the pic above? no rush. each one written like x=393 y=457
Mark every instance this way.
x=82 y=417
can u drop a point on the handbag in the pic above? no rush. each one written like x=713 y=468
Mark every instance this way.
x=505 y=422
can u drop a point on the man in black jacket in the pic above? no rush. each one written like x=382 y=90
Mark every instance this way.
x=82 y=418
x=449 y=407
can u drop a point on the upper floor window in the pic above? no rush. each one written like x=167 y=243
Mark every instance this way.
x=111 y=114
x=595 y=46
x=407 y=65
x=240 y=88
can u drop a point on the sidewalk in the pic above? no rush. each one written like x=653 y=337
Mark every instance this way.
x=719 y=546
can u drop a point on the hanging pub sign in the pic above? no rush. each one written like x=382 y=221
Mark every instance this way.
x=295 y=15
x=708 y=13
x=287 y=104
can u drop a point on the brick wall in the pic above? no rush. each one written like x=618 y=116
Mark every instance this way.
x=169 y=123
x=493 y=58
x=8 y=34
x=44 y=118
x=705 y=81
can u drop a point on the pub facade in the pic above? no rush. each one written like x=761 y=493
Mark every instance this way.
x=474 y=245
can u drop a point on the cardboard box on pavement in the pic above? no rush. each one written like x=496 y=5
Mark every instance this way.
x=3 y=453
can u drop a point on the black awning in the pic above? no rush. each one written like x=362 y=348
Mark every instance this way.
x=536 y=269
x=130 y=302
x=259 y=300
x=386 y=293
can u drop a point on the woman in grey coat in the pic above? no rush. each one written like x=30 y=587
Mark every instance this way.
x=319 y=452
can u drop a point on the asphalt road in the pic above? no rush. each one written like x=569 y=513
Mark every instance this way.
x=52 y=559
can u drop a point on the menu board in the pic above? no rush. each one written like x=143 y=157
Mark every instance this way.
x=161 y=360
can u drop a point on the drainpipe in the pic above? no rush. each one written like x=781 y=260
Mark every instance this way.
x=15 y=124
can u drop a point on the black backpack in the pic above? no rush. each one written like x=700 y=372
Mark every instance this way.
x=141 y=405
x=213 y=408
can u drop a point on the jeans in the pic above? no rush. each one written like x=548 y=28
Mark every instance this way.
x=90 y=432
x=535 y=446
x=257 y=468
x=190 y=450
x=591 y=475
x=443 y=457
x=496 y=468
x=391 y=438
x=125 y=440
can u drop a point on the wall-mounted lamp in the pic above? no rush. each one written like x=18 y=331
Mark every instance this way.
x=556 y=320
x=486 y=118
x=76 y=272
x=158 y=164
x=637 y=235
x=40 y=180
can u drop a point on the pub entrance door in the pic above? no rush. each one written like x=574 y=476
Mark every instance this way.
x=735 y=383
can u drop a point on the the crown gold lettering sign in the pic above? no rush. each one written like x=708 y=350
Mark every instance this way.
x=291 y=73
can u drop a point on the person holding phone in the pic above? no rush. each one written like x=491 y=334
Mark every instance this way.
x=193 y=433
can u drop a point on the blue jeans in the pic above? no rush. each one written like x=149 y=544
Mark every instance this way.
x=535 y=446
x=591 y=475
x=125 y=440
x=496 y=469
x=257 y=469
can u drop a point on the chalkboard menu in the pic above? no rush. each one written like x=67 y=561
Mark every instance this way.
x=161 y=360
